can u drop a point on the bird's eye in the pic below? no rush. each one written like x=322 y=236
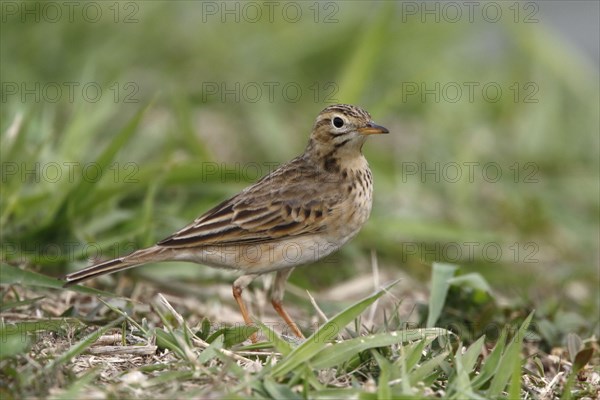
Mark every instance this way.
x=338 y=122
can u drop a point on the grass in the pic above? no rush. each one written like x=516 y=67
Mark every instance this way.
x=497 y=292
x=134 y=349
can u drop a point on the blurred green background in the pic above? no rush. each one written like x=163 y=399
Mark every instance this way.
x=491 y=164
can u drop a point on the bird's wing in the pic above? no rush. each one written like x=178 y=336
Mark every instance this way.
x=283 y=204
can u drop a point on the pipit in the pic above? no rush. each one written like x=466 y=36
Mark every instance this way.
x=301 y=212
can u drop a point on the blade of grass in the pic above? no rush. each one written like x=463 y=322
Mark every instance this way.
x=279 y=391
x=170 y=376
x=425 y=369
x=14 y=342
x=459 y=385
x=44 y=325
x=414 y=352
x=340 y=352
x=469 y=358
x=339 y=393
x=10 y=275
x=510 y=357
x=505 y=370
x=76 y=389
x=133 y=322
x=280 y=345
x=406 y=386
x=15 y=304
x=490 y=365
x=514 y=388
x=441 y=274
x=319 y=339
x=211 y=351
x=383 y=387
x=473 y=280
x=180 y=345
x=82 y=345
x=166 y=340
x=82 y=192
x=233 y=335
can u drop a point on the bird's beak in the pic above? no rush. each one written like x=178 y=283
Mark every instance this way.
x=372 y=129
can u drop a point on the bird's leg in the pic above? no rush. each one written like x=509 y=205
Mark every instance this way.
x=238 y=287
x=277 y=299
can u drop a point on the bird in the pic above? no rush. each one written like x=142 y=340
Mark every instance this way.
x=299 y=213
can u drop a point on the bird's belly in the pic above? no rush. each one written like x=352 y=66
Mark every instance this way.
x=264 y=257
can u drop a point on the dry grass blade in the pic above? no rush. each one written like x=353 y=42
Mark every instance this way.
x=196 y=340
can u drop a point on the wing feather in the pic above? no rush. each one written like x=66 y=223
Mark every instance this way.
x=279 y=205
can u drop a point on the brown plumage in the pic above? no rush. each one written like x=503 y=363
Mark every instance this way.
x=301 y=212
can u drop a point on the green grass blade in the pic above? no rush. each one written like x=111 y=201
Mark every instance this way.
x=55 y=325
x=441 y=275
x=427 y=368
x=211 y=351
x=319 y=340
x=505 y=369
x=491 y=364
x=473 y=280
x=77 y=389
x=280 y=345
x=10 y=275
x=469 y=358
x=128 y=318
x=14 y=341
x=339 y=393
x=279 y=391
x=82 y=345
x=414 y=352
x=460 y=385
x=167 y=340
x=169 y=377
x=406 y=382
x=83 y=190
x=15 y=304
x=340 y=352
x=383 y=388
x=232 y=335
x=514 y=388
x=507 y=363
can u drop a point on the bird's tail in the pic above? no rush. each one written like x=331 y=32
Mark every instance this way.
x=139 y=257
